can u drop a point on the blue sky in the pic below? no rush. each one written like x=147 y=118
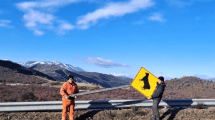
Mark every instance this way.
x=172 y=38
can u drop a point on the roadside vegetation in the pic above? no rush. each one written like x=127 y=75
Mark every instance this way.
x=184 y=88
x=125 y=114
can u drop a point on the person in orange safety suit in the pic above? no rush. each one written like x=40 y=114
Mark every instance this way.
x=68 y=88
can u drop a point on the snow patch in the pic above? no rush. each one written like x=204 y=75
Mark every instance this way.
x=66 y=66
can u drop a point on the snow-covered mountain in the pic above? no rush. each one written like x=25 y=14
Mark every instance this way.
x=118 y=75
x=66 y=66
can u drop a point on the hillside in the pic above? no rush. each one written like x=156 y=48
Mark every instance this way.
x=14 y=73
x=190 y=81
x=189 y=87
x=182 y=88
x=57 y=72
x=61 y=74
x=200 y=91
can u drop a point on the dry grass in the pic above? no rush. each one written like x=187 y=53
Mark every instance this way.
x=125 y=114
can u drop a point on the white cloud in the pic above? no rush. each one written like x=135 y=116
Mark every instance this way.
x=64 y=26
x=103 y=62
x=5 y=23
x=38 y=16
x=119 y=74
x=33 y=18
x=166 y=77
x=157 y=17
x=113 y=10
x=37 y=32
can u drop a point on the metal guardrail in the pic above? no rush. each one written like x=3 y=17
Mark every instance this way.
x=99 y=104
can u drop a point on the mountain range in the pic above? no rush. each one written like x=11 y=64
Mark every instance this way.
x=66 y=66
x=61 y=74
x=20 y=69
x=14 y=73
x=69 y=67
x=55 y=71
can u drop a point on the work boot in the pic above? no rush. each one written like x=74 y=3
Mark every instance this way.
x=71 y=118
x=63 y=118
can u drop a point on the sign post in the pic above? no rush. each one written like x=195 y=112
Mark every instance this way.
x=145 y=82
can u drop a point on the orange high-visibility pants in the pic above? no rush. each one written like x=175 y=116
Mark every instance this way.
x=68 y=106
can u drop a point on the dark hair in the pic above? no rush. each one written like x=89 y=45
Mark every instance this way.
x=161 y=78
x=70 y=76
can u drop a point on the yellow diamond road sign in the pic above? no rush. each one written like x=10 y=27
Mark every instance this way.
x=145 y=82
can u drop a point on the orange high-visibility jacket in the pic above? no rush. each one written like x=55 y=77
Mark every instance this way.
x=68 y=89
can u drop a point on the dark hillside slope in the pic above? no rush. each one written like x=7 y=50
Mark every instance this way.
x=182 y=88
x=20 y=69
x=12 y=93
x=189 y=87
x=61 y=74
x=15 y=73
x=189 y=81
x=110 y=79
x=57 y=72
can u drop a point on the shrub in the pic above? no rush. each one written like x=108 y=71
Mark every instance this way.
x=199 y=106
x=2 y=81
x=9 y=99
x=111 y=115
x=133 y=108
x=55 y=83
x=29 y=96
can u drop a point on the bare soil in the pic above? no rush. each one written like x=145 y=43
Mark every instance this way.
x=125 y=114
